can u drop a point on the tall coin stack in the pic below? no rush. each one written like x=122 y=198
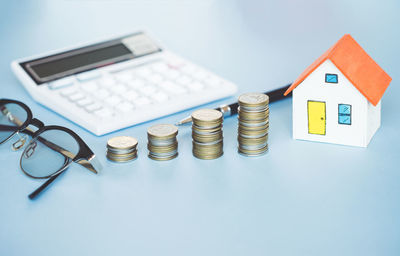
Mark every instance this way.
x=207 y=133
x=163 y=144
x=122 y=149
x=253 y=124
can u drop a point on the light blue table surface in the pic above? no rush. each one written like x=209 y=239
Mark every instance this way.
x=302 y=198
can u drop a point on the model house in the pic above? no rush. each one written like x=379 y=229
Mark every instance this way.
x=337 y=99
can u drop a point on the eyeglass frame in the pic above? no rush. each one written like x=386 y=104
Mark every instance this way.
x=84 y=157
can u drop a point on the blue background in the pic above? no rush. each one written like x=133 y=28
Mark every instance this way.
x=302 y=198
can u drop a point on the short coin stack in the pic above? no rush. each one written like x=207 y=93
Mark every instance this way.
x=207 y=133
x=253 y=124
x=122 y=149
x=163 y=144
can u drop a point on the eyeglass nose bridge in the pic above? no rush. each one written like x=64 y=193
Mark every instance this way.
x=37 y=123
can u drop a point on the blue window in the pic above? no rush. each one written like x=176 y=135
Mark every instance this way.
x=344 y=114
x=331 y=78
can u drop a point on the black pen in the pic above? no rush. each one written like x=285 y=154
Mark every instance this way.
x=232 y=109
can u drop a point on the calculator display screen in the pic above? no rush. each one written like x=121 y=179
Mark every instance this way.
x=83 y=59
x=73 y=62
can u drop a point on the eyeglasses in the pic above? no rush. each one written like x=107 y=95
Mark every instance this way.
x=51 y=150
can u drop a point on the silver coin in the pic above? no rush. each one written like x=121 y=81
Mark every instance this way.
x=207 y=115
x=253 y=99
x=122 y=142
x=162 y=130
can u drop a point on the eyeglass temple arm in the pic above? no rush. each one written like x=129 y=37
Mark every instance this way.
x=35 y=193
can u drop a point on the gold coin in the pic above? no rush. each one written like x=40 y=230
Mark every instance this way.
x=207 y=139
x=242 y=128
x=156 y=149
x=253 y=147
x=253 y=116
x=208 y=157
x=162 y=158
x=252 y=141
x=204 y=130
x=122 y=142
x=257 y=152
x=121 y=159
x=121 y=155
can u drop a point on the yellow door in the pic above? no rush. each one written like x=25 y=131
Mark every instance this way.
x=316 y=117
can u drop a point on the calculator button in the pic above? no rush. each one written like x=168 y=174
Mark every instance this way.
x=144 y=71
x=160 y=97
x=136 y=83
x=93 y=107
x=199 y=74
x=130 y=95
x=124 y=77
x=183 y=80
x=118 y=89
x=189 y=69
x=61 y=83
x=102 y=94
x=160 y=67
x=142 y=101
x=175 y=63
x=107 y=81
x=155 y=78
x=195 y=86
x=86 y=76
x=84 y=102
x=171 y=73
x=173 y=88
x=76 y=96
x=113 y=100
x=68 y=91
x=148 y=90
x=89 y=86
x=124 y=107
x=104 y=112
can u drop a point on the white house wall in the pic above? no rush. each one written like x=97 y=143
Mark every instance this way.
x=373 y=120
x=314 y=88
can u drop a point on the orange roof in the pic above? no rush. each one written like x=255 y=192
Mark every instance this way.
x=358 y=67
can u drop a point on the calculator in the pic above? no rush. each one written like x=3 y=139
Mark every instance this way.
x=115 y=83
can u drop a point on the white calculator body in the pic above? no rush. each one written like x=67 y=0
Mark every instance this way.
x=112 y=84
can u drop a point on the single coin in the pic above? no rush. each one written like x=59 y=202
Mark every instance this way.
x=162 y=143
x=206 y=115
x=252 y=141
x=122 y=142
x=257 y=152
x=166 y=158
x=248 y=109
x=121 y=159
x=162 y=131
x=208 y=157
x=253 y=99
x=121 y=154
x=206 y=130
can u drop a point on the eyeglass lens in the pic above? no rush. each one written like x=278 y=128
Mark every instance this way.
x=48 y=153
x=12 y=116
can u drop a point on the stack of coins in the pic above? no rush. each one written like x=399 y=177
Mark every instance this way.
x=162 y=142
x=253 y=124
x=207 y=133
x=122 y=149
